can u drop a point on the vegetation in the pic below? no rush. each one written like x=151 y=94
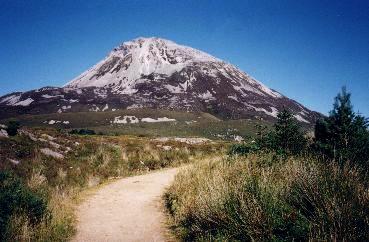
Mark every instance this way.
x=12 y=127
x=287 y=138
x=188 y=124
x=243 y=148
x=83 y=131
x=281 y=187
x=53 y=184
x=16 y=199
x=255 y=198
x=343 y=136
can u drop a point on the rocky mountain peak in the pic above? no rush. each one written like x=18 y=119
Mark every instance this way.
x=161 y=74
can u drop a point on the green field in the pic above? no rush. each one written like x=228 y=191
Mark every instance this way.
x=187 y=124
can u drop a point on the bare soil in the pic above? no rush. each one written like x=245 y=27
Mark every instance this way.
x=129 y=209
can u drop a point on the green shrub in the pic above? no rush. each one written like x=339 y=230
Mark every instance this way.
x=242 y=149
x=17 y=199
x=238 y=149
x=12 y=127
x=83 y=131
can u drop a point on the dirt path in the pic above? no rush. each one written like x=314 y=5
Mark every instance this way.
x=126 y=210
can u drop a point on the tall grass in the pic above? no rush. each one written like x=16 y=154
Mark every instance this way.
x=57 y=225
x=260 y=198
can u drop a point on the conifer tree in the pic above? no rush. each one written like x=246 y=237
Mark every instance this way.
x=287 y=136
x=344 y=135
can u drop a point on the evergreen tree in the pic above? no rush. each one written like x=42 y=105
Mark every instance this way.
x=288 y=136
x=344 y=135
x=358 y=147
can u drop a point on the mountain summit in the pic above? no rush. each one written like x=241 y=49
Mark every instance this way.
x=160 y=74
x=125 y=66
x=140 y=57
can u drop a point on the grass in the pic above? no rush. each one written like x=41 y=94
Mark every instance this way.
x=205 y=125
x=88 y=161
x=264 y=198
x=57 y=226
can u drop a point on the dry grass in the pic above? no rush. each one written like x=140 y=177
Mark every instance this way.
x=260 y=198
x=94 y=161
x=58 y=225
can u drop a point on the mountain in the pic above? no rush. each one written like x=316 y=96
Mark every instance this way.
x=159 y=74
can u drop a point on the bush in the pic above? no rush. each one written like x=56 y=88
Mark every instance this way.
x=17 y=199
x=83 y=131
x=238 y=149
x=242 y=149
x=12 y=127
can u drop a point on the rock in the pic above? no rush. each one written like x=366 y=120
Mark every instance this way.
x=15 y=162
x=3 y=133
x=49 y=152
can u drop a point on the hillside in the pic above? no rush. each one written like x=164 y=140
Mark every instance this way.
x=159 y=74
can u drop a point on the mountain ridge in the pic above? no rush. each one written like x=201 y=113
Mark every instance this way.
x=160 y=74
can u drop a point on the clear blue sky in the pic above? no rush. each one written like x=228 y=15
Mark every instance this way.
x=305 y=49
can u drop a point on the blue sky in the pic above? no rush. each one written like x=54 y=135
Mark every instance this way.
x=304 y=49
